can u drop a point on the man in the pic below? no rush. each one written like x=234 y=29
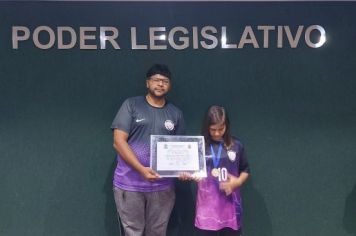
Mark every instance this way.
x=144 y=201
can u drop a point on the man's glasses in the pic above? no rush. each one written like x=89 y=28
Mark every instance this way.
x=163 y=81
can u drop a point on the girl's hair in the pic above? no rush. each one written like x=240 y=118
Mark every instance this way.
x=217 y=115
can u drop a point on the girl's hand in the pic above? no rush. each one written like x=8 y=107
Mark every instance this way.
x=184 y=176
x=230 y=185
x=187 y=176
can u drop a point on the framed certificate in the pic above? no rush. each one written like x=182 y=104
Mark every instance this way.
x=172 y=154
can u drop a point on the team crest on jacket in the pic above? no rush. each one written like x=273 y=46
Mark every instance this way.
x=169 y=125
x=231 y=155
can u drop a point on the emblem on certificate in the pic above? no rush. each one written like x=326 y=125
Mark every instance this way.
x=172 y=155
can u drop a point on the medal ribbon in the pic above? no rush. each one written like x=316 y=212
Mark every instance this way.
x=216 y=158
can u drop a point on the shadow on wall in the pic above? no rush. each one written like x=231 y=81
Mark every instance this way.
x=349 y=220
x=112 y=226
x=181 y=222
x=256 y=220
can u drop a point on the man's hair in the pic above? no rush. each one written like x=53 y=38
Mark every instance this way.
x=159 y=69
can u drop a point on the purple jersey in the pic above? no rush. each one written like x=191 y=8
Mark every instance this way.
x=140 y=120
x=215 y=210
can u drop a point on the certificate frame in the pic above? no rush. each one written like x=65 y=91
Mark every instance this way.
x=171 y=155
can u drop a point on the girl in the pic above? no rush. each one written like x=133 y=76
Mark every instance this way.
x=218 y=206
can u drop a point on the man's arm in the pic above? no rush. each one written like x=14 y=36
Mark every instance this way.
x=122 y=147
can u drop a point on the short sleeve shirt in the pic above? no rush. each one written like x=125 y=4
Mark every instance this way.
x=140 y=120
x=215 y=210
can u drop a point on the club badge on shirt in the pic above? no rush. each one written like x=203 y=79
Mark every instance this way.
x=231 y=155
x=169 y=125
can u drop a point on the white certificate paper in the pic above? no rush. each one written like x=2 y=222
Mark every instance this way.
x=172 y=155
x=178 y=156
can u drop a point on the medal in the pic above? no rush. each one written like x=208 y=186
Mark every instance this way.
x=215 y=172
x=216 y=159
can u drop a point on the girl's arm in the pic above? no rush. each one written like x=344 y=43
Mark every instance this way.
x=233 y=182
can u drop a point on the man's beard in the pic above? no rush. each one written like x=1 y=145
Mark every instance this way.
x=153 y=95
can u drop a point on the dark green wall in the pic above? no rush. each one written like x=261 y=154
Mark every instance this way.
x=294 y=109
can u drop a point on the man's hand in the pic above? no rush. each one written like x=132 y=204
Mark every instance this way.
x=149 y=174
